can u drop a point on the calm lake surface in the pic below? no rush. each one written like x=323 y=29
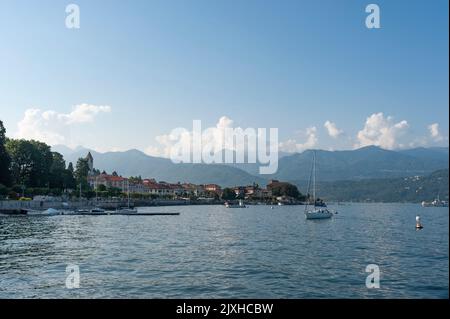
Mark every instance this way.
x=214 y=252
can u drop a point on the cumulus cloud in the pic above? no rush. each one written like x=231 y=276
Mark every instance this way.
x=381 y=131
x=434 y=132
x=53 y=127
x=292 y=146
x=333 y=131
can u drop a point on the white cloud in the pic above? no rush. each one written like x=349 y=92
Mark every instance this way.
x=434 y=132
x=85 y=113
x=53 y=127
x=333 y=131
x=381 y=131
x=213 y=137
x=292 y=146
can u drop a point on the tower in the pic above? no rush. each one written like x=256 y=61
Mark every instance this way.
x=90 y=161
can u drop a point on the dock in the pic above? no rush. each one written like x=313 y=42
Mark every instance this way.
x=75 y=213
x=121 y=214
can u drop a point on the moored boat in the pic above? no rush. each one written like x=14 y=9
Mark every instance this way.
x=437 y=202
x=239 y=205
x=47 y=212
x=316 y=213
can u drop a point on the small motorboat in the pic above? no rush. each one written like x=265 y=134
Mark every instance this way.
x=239 y=205
x=47 y=212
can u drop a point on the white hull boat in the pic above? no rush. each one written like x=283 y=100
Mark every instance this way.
x=240 y=205
x=47 y=212
x=435 y=203
x=318 y=214
x=126 y=211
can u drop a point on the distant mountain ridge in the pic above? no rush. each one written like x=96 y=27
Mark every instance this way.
x=401 y=189
x=134 y=162
x=364 y=163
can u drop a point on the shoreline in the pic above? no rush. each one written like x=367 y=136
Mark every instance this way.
x=17 y=205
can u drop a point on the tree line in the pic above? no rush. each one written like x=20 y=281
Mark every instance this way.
x=29 y=166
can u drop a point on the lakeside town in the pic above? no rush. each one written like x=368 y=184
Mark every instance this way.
x=100 y=189
x=34 y=176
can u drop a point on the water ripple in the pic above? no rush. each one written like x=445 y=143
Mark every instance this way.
x=213 y=252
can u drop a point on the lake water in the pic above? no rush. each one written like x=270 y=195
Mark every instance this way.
x=214 y=252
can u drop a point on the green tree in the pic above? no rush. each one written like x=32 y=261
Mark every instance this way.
x=57 y=171
x=81 y=172
x=42 y=161
x=228 y=194
x=30 y=162
x=286 y=189
x=3 y=190
x=101 y=188
x=114 y=173
x=135 y=180
x=69 y=179
x=20 y=153
x=5 y=160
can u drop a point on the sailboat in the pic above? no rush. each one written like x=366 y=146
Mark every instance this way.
x=316 y=212
x=435 y=203
x=127 y=210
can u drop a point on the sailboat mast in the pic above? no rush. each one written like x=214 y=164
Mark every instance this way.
x=128 y=190
x=314 y=178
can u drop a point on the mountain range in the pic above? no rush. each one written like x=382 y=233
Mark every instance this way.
x=401 y=189
x=363 y=163
x=135 y=163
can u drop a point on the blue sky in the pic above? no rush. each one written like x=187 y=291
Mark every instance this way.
x=157 y=65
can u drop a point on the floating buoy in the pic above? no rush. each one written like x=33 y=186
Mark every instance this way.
x=418 y=223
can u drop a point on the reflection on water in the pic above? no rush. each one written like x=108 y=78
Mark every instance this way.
x=214 y=252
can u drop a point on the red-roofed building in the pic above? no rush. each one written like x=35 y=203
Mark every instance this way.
x=108 y=181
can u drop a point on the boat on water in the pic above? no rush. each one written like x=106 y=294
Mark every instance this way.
x=320 y=203
x=316 y=212
x=437 y=202
x=47 y=212
x=127 y=210
x=238 y=205
x=92 y=211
